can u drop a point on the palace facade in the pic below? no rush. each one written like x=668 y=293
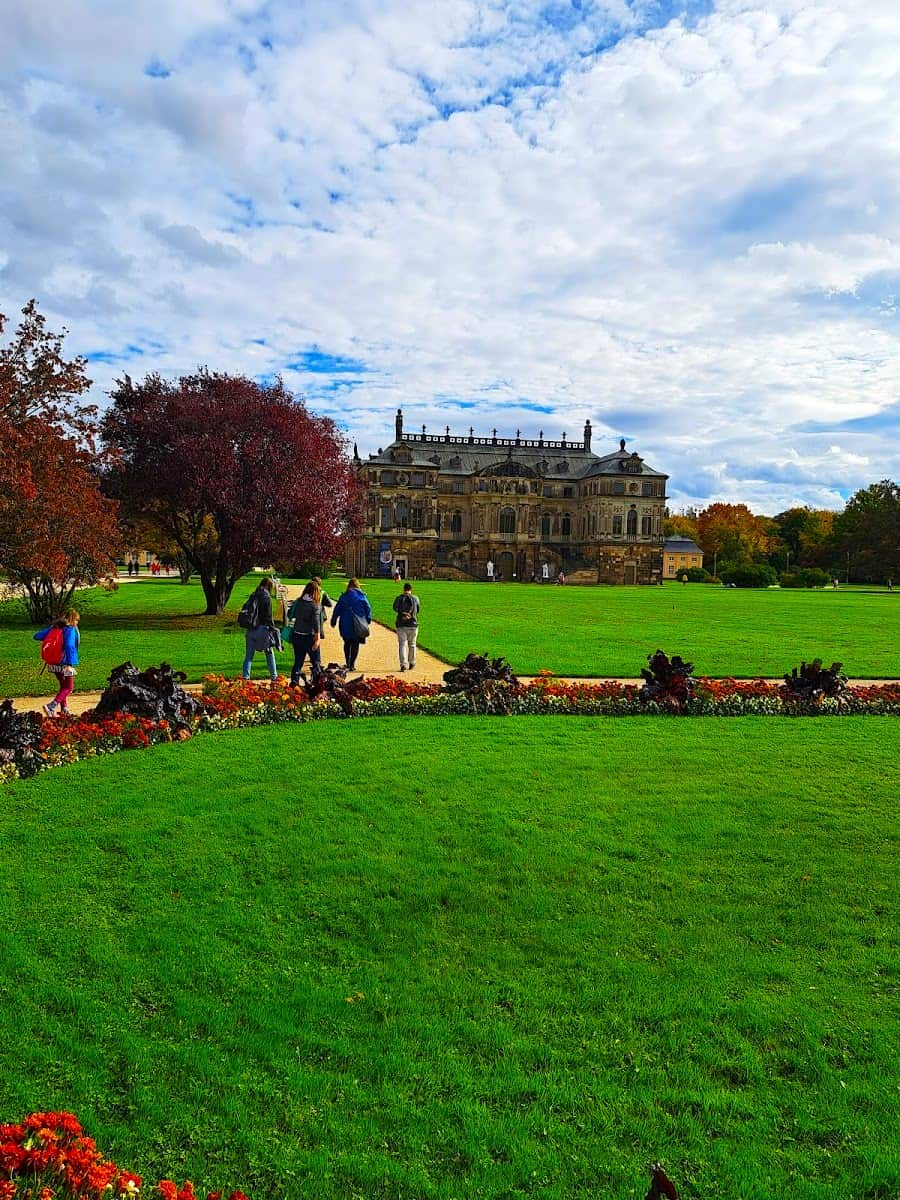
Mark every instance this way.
x=446 y=507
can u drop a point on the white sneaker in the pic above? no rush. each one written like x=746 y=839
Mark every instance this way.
x=49 y=710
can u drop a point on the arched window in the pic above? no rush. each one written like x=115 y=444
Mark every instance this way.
x=617 y=524
x=645 y=525
x=631 y=523
x=456 y=522
x=565 y=528
x=401 y=514
x=545 y=525
x=507 y=520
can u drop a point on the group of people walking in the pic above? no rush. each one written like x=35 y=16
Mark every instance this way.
x=304 y=621
x=302 y=624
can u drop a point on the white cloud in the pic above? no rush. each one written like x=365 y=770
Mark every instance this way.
x=689 y=235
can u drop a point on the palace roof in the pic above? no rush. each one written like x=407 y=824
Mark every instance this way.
x=518 y=456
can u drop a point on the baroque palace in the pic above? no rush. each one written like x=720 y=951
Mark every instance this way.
x=447 y=507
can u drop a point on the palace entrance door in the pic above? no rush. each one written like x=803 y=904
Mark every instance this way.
x=505 y=565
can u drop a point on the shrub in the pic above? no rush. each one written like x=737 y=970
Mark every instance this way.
x=696 y=575
x=749 y=575
x=805 y=577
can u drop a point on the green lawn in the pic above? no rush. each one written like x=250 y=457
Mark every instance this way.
x=572 y=631
x=340 y=962
x=610 y=631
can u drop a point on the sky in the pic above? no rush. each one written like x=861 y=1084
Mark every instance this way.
x=678 y=219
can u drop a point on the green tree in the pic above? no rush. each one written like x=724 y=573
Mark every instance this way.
x=868 y=531
x=802 y=538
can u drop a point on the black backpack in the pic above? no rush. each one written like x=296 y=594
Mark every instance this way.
x=406 y=613
x=247 y=615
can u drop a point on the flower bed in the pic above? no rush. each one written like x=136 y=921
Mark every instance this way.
x=47 y=1155
x=239 y=704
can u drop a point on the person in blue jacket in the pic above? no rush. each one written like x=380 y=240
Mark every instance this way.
x=352 y=608
x=65 y=670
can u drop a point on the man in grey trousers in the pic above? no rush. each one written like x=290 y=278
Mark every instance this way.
x=406 y=606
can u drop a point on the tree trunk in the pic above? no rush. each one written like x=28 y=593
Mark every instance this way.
x=44 y=600
x=217 y=593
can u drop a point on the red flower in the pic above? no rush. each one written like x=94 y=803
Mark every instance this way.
x=167 y=1189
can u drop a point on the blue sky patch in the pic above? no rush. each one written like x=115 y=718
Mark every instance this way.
x=317 y=362
x=157 y=69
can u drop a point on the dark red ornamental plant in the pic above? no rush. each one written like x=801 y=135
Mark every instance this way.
x=811 y=683
x=235 y=472
x=669 y=682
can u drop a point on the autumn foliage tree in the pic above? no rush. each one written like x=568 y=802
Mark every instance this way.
x=235 y=472
x=732 y=533
x=57 y=531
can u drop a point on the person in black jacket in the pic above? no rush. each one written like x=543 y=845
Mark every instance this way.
x=305 y=615
x=263 y=636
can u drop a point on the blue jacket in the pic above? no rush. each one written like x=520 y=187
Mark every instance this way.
x=71 y=640
x=347 y=604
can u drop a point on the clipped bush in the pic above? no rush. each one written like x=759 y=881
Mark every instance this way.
x=805 y=577
x=696 y=575
x=669 y=682
x=749 y=575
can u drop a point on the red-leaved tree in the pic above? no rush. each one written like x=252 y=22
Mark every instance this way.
x=57 y=531
x=235 y=472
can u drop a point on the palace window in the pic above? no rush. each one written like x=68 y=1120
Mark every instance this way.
x=401 y=514
x=508 y=520
x=456 y=522
x=545 y=525
x=646 y=488
x=459 y=486
x=631 y=523
x=617 y=525
x=417 y=520
x=417 y=479
x=386 y=518
x=619 y=488
x=568 y=493
x=565 y=528
x=387 y=478
x=645 y=526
